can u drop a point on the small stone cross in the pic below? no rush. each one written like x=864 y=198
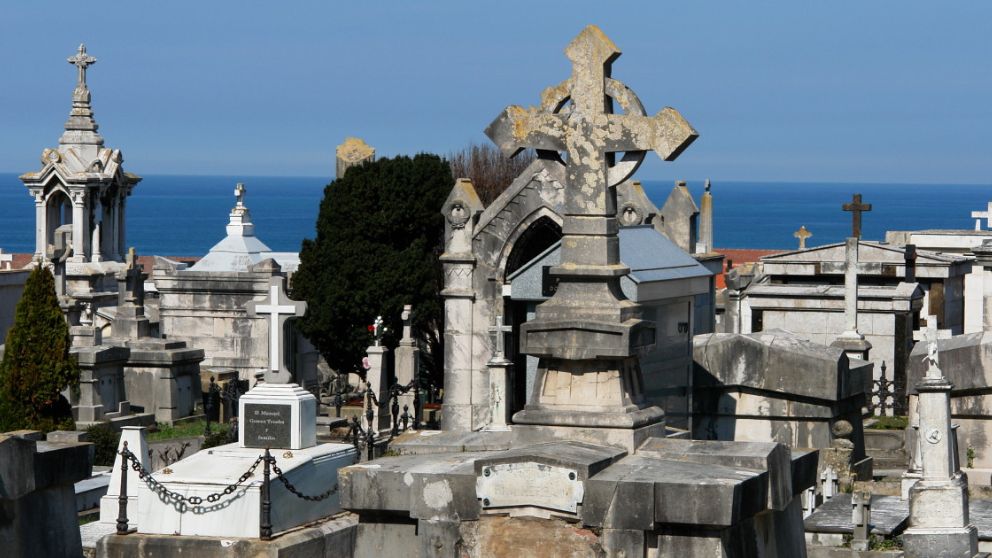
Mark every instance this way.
x=6 y=260
x=856 y=208
x=861 y=518
x=979 y=215
x=828 y=483
x=239 y=193
x=498 y=341
x=802 y=234
x=278 y=308
x=81 y=60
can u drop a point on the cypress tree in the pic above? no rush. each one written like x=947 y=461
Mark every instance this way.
x=36 y=365
x=379 y=234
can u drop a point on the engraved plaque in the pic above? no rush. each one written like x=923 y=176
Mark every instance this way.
x=529 y=484
x=267 y=426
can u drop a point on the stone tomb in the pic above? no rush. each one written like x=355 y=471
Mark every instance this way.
x=582 y=470
x=277 y=415
x=774 y=386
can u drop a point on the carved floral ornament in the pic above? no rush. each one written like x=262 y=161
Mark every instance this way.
x=630 y=214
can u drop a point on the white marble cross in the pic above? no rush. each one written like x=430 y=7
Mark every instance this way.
x=278 y=308
x=828 y=483
x=5 y=260
x=498 y=330
x=82 y=60
x=979 y=215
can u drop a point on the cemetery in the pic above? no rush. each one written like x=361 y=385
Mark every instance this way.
x=587 y=400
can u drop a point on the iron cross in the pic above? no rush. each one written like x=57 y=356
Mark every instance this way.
x=590 y=133
x=81 y=60
x=856 y=208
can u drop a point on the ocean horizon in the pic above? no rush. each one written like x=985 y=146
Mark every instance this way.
x=176 y=215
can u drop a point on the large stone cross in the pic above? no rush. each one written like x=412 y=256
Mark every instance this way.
x=81 y=60
x=856 y=208
x=979 y=215
x=589 y=133
x=278 y=308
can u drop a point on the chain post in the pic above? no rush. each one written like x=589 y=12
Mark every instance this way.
x=265 y=521
x=370 y=432
x=122 y=522
x=396 y=412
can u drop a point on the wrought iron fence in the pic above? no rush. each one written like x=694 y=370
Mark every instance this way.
x=882 y=399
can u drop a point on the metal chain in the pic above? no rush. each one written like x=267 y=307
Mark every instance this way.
x=289 y=486
x=173 y=497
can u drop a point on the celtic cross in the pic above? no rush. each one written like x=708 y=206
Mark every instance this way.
x=81 y=60
x=802 y=234
x=576 y=117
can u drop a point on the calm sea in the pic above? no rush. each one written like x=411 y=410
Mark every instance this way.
x=185 y=215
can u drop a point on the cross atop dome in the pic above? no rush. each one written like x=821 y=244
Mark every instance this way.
x=82 y=61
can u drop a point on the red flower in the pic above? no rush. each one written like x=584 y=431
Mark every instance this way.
x=371 y=328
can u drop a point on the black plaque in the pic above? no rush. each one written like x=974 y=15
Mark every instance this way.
x=267 y=426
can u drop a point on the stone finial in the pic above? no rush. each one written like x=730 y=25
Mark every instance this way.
x=81 y=60
x=81 y=128
x=705 y=241
x=802 y=234
x=352 y=152
x=240 y=223
x=239 y=194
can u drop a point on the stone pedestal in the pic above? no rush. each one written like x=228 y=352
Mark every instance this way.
x=853 y=344
x=499 y=372
x=277 y=416
x=377 y=379
x=162 y=376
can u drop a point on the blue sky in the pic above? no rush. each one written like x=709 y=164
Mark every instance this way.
x=879 y=91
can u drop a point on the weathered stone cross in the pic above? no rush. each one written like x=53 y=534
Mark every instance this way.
x=498 y=341
x=279 y=309
x=979 y=215
x=81 y=60
x=589 y=133
x=856 y=208
x=802 y=234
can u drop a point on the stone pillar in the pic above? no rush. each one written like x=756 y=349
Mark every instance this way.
x=407 y=360
x=115 y=231
x=705 y=242
x=122 y=226
x=97 y=226
x=377 y=379
x=458 y=260
x=79 y=224
x=938 y=503
x=851 y=341
x=40 y=227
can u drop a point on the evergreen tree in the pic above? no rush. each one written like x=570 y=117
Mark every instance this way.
x=36 y=365
x=379 y=234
